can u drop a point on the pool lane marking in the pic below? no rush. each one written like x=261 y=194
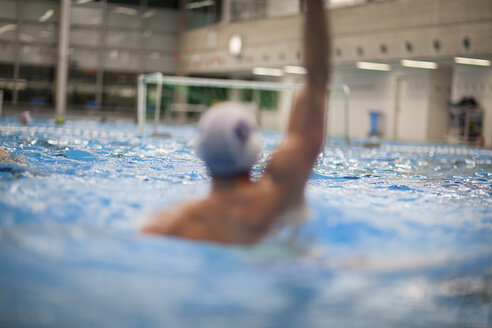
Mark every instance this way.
x=446 y=150
x=77 y=131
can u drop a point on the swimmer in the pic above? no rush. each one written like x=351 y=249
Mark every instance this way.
x=4 y=155
x=239 y=210
x=25 y=118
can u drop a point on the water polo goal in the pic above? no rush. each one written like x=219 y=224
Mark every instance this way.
x=183 y=99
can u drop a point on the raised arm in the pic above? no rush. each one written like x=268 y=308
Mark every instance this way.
x=292 y=163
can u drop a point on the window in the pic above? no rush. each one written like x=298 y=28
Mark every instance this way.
x=169 y=4
x=6 y=81
x=36 y=87
x=40 y=11
x=82 y=87
x=8 y=9
x=202 y=13
x=120 y=89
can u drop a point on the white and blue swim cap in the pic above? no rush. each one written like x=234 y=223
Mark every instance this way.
x=227 y=141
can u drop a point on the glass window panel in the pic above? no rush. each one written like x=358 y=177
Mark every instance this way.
x=122 y=60
x=82 y=76
x=87 y=15
x=6 y=71
x=39 y=33
x=160 y=41
x=127 y=2
x=37 y=54
x=171 y=4
x=36 y=88
x=81 y=95
x=125 y=39
x=36 y=95
x=84 y=58
x=37 y=73
x=203 y=15
x=8 y=9
x=84 y=36
x=6 y=80
x=118 y=78
x=7 y=87
x=275 y=8
x=243 y=10
x=124 y=16
x=7 y=31
x=200 y=19
x=122 y=98
x=7 y=52
x=42 y=11
x=166 y=20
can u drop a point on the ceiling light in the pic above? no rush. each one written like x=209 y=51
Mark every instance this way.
x=47 y=15
x=268 y=71
x=82 y=2
x=200 y=4
x=8 y=27
x=418 y=64
x=235 y=45
x=471 y=61
x=373 y=66
x=295 y=69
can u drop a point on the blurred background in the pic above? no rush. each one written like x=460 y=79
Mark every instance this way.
x=406 y=62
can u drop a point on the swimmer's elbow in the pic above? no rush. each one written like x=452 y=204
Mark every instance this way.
x=149 y=230
x=308 y=145
x=155 y=228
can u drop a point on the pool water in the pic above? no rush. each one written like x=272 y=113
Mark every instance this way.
x=398 y=236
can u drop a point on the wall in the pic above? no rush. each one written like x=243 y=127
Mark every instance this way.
x=420 y=96
x=439 y=97
x=359 y=32
x=369 y=91
x=413 y=102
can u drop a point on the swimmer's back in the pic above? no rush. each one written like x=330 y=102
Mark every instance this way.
x=239 y=215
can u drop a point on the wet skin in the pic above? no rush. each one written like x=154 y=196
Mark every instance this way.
x=4 y=155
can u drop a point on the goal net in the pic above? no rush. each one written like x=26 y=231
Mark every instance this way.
x=182 y=100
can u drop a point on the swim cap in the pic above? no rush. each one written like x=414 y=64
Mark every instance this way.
x=227 y=141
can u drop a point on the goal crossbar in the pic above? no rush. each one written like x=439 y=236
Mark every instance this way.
x=159 y=80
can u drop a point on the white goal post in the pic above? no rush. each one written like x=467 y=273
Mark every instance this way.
x=160 y=80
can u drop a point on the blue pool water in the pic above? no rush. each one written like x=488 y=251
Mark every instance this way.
x=398 y=236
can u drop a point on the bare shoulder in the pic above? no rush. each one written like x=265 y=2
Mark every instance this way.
x=174 y=221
